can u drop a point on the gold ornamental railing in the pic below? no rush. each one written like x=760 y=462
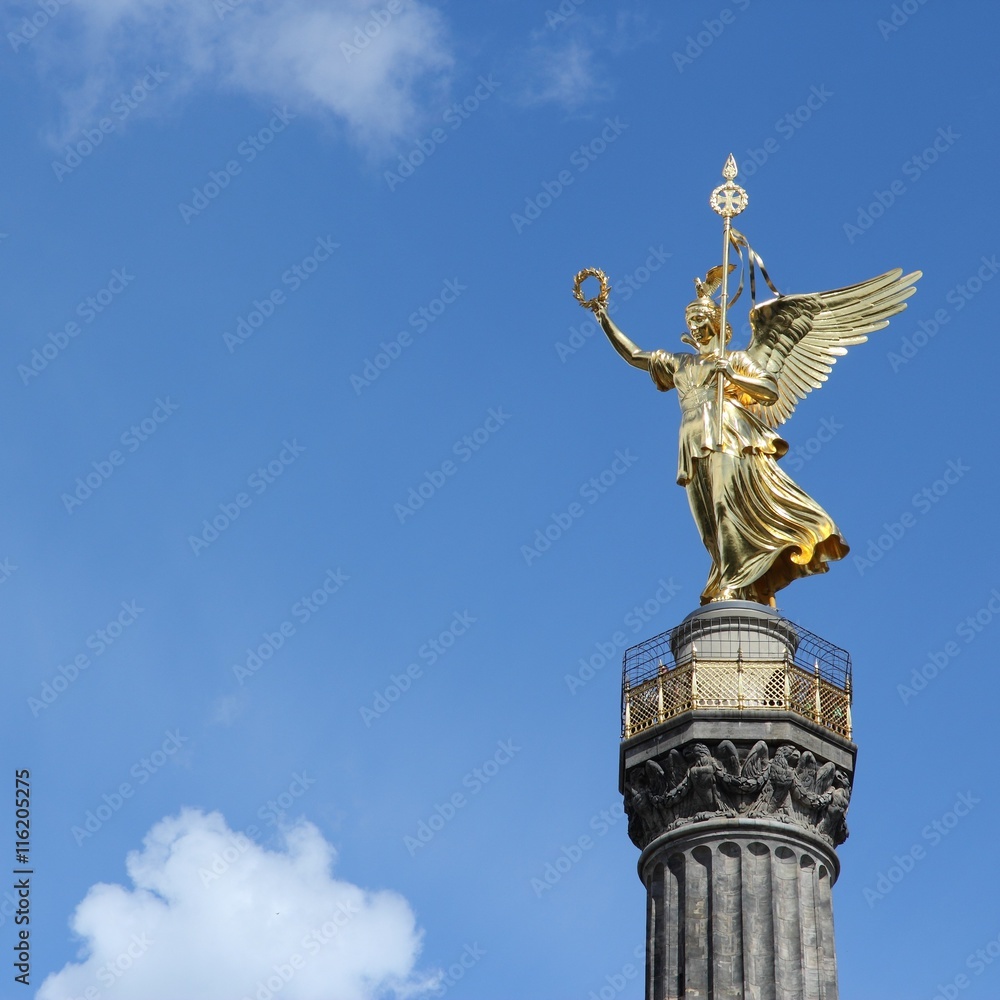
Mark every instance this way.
x=745 y=685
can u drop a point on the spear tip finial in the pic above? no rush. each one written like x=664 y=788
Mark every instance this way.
x=729 y=170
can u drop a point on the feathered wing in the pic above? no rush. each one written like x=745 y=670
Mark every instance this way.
x=676 y=768
x=730 y=759
x=798 y=338
x=757 y=761
x=824 y=777
x=655 y=777
x=806 y=772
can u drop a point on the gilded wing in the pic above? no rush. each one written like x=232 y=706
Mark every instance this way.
x=798 y=338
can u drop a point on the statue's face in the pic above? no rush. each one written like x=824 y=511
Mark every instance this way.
x=699 y=323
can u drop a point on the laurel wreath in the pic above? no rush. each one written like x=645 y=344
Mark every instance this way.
x=601 y=299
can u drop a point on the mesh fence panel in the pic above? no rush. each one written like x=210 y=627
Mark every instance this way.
x=755 y=664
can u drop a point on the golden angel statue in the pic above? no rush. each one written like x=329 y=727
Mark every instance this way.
x=761 y=529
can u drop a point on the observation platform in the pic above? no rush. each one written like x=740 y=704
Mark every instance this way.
x=736 y=655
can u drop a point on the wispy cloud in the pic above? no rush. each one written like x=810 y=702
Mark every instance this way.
x=371 y=67
x=564 y=63
x=565 y=75
x=212 y=914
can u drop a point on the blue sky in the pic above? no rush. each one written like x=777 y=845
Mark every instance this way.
x=294 y=379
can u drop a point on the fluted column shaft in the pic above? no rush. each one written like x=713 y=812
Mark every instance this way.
x=743 y=913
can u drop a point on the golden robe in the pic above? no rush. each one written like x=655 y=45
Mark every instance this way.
x=761 y=529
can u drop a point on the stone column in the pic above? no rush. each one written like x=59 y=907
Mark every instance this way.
x=738 y=809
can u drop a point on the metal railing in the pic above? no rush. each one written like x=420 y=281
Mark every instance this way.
x=657 y=689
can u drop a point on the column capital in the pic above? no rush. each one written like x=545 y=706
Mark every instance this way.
x=775 y=780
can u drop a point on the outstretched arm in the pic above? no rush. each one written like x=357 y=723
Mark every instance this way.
x=634 y=355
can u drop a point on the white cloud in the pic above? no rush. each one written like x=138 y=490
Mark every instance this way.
x=211 y=915
x=371 y=67
x=562 y=75
x=566 y=61
x=228 y=708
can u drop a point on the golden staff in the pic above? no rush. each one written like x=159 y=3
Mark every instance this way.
x=727 y=200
